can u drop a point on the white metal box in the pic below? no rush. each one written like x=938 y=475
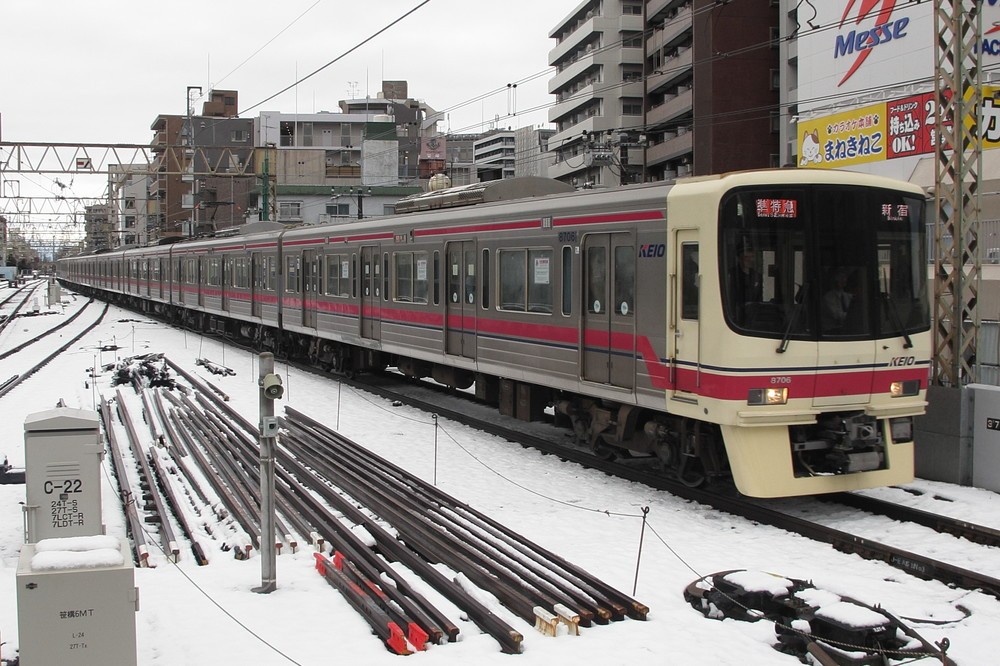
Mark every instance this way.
x=76 y=603
x=62 y=474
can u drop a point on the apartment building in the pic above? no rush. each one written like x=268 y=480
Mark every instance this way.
x=651 y=90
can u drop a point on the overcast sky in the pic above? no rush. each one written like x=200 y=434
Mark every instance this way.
x=97 y=71
x=101 y=71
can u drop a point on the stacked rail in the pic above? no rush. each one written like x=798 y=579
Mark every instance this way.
x=525 y=577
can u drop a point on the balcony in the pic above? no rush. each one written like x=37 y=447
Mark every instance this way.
x=656 y=8
x=671 y=109
x=572 y=102
x=673 y=32
x=565 y=169
x=670 y=148
x=571 y=43
x=672 y=71
x=578 y=69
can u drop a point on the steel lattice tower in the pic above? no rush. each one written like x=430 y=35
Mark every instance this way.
x=958 y=165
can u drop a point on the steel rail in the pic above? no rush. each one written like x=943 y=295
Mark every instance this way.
x=434 y=547
x=519 y=588
x=240 y=496
x=167 y=538
x=52 y=330
x=980 y=534
x=124 y=488
x=242 y=446
x=38 y=366
x=414 y=609
x=190 y=431
x=13 y=314
x=605 y=595
x=483 y=617
x=915 y=564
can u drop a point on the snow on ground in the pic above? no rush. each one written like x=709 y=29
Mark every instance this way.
x=208 y=615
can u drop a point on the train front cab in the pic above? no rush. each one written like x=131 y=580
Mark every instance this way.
x=803 y=406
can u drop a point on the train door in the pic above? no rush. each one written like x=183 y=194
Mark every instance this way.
x=685 y=310
x=227 y=278
x=370 y=312
x=608 y=335
x=202 y=278
x=256 y=282
x=310 y=287
x=182 y=279
x=460 y=315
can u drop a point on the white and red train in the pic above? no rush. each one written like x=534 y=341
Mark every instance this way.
x=769 y=325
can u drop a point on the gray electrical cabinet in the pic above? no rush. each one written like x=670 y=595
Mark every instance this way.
x=76 y=606
x=53 y=295
x=986 y=437
x=62 y=474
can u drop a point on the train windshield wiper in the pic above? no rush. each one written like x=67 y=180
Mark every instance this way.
x=890 y=307
x=800 y=299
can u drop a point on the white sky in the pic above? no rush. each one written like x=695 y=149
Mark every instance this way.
x=101 y=71
x=208 y=616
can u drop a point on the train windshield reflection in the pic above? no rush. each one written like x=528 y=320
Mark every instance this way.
x=823 y=263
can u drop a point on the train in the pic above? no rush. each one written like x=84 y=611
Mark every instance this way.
x=687 y=322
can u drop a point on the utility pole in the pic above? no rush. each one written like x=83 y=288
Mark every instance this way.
x=270 y=390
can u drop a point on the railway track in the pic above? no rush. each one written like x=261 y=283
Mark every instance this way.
x=8 y=385
x=547 y=439
x=25 y=292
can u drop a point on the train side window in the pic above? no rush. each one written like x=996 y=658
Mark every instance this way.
x=271 y=274
x=470 y=276
x=513 y=265
x=625 y=280
x=292 y=274
x=526 y=280
x=567 y=280
x=385 y=276
x=689 y=281
x=540 y=281
x=420 y=267
x=411 y=277
x=338 y=275
x=484 y=279
x=597 y=278
x=437 y=277
x=354 y=275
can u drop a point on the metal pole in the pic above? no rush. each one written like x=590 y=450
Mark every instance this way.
x=268 y=565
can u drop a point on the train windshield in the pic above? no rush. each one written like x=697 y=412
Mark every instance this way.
x=824 y=262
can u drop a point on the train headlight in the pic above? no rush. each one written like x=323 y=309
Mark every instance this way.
x=767 y=396
x=907 y=388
